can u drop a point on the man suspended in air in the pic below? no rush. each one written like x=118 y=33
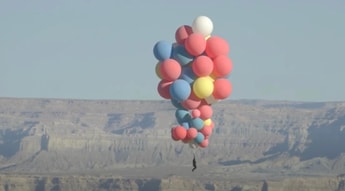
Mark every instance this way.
x=194 y=163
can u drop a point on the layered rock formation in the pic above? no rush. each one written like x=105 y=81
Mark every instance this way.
x=82 y=183
x=252 y=140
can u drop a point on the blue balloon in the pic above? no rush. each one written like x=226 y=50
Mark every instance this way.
x=176 y=104
x=197 y=123
x=199 y=138
x=181 y=55
x=180 y=90
x=162 y=50
x=182 y=115
x=185 y=125
x=188 y=74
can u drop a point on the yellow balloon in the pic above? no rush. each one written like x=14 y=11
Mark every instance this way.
x=158 y=73
x=207 y=122
x=203 y=87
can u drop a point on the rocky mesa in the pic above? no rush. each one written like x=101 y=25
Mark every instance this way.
x=55 y=144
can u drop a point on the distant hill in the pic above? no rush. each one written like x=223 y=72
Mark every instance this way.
x=254 y=138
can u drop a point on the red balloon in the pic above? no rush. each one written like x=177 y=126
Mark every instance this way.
x=170 y=69
x=185 y=140
x=222 y=66
x=216 y=46
x=180 y=132
x=195 y=44
x=173 y=136
x=192 y=102
x=206 y=111
x=204 y=102
x=202 y=66
x=195 y=113
x=206 y=130
x=204 y=143
x=163 y=89
x=191 y=133
x=222 y=88
x=182 y=33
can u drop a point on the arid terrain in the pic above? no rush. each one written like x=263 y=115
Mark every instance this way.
x=59 y=145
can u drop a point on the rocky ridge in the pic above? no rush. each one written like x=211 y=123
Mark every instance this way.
x=260 y=139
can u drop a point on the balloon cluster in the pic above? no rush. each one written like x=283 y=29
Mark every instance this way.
x=193 y=74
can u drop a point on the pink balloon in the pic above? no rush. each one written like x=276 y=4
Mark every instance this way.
x=204 y=143
x=182 y=33
x=206 y=111
x=170 y=69
x=191 y=133
x=222 y=88
x=204 y=102
x=180 y=132
x=206 y=130
x=216 y=46
x=222 y=66
x=173 y=136
x=195 y=44
x=163 y=89
x=192 y=102
x=195 y=113
x=202 y=66
x=185 y=140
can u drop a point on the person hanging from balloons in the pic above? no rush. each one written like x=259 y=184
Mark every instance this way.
x=193 y=73
x=194 y=163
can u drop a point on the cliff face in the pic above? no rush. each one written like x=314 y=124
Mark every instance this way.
x=82 y=183
x=44 y=136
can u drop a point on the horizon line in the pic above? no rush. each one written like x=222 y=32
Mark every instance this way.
x=160 y=100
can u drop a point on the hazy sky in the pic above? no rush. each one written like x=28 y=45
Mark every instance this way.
x=84 y=49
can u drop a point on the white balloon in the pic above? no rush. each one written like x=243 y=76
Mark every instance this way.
x=203 y=25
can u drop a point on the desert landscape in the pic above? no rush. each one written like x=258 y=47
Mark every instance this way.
x=256 y=145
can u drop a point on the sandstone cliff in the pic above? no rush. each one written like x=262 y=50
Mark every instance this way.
x=106 y=183
x=263 y=138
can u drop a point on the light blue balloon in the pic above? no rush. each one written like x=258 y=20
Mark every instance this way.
x=188 y=74
x=181 y=55
x=176 y=104
x=199 y=138
x=162 y=50
x=185 y=125
x=197 y=123
x=182 y=115
x=180 y=90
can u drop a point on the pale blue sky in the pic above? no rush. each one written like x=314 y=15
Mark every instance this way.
x=281 y=50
